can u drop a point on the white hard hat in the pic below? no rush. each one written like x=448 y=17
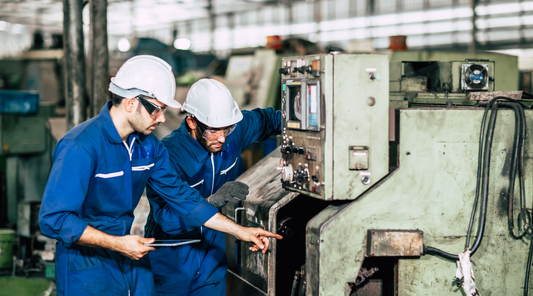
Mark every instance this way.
x=212 y=104
x=145 y=75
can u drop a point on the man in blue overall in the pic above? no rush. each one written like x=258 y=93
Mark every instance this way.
x=205 y=150
x=101 y=168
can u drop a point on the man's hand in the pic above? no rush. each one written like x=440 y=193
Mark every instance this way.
x=233 y=191
x=258 y=237
x=130 y=246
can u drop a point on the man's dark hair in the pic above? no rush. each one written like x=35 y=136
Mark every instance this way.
x=199 y=131
x=117 y=99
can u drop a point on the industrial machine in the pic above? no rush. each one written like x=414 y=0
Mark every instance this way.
x=385 y=173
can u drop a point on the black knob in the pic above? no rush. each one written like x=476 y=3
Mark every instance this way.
x=301 y=150
x=295 y=149
x=304 y=176
x=301 y=69
x=308 y=69
x=288 y=149
x=283 y=71
x=314 y=178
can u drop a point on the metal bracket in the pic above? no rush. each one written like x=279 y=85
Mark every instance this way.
x=363 y=274
x=361 y=277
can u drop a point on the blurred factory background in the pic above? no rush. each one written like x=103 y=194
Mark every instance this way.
x=56 y=58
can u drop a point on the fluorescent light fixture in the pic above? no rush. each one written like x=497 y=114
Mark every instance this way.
x=16 y=29
x=313 y=37
x=4 y=26
x=124 y=44
x=182 y=44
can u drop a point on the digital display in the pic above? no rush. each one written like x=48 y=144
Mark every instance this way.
x=295 y=103
x=312 y=94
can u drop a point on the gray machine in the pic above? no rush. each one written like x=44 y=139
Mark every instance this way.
x=365 y=195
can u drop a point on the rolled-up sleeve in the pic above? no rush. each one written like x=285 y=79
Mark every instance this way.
x=177 y=208
x=65 y=193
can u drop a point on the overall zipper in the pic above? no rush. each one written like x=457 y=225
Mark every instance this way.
x=213 y=165
x=223 y=172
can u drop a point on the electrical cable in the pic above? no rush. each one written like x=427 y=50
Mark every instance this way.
x=478 y=179
x=517 y=163
x=486 y=174
x=484 y=158
x=514 y=167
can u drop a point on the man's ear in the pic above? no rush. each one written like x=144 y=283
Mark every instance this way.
x=130 y=105
x=191 y=123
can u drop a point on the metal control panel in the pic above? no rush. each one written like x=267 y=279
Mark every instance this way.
x=335 y=138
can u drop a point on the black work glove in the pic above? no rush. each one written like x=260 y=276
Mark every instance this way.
x=233 y=191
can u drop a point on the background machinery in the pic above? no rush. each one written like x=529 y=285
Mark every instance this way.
x=387 y=171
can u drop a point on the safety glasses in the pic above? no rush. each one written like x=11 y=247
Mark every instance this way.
x=212 y=134
x=152 y=109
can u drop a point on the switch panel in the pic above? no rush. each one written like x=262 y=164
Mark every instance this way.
x=358 y=156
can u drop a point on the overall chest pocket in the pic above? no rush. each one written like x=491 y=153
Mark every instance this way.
x=109 y=189
x=141 y=170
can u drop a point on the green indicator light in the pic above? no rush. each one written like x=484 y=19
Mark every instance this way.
x=283 y=87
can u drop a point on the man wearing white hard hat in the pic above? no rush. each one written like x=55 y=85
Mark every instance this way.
x=205 y=150
x=101 y=168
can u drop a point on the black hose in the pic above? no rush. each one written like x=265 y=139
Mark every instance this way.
x=434 y=251
x=478 y=179
x=485 y=159
x=486 y=174
x=525 y=214
x=514 y=164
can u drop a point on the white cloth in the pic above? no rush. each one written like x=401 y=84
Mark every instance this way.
x=465 y=272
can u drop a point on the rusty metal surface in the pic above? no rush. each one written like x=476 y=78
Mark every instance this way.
x=400 y=243
x=363 y=274
x=487 y=96
x=414 y=84
x=373 y=287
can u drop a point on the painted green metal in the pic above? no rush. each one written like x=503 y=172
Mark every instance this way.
x=358 y=123
x=355 y=101
x=506 y=76
x=432 y=190
x=24 y=287
x=7 y=236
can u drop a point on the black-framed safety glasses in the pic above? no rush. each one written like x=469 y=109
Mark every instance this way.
x=152 y=109
x=212 y=134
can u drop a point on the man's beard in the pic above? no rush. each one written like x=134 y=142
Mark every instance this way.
x=203 y=142
x=138 y=125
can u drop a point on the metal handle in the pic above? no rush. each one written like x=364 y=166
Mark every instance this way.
x=236 y=211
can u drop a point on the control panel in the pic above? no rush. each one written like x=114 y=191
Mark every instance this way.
x=330 y=104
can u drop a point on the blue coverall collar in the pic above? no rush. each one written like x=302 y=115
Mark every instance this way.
x=199 y=152
x=109 y=127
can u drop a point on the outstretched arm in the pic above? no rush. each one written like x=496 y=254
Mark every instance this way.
x=257 y=236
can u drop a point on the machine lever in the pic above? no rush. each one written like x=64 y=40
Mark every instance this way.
x=236 y=211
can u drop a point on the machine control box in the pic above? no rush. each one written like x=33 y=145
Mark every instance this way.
x=332 y=135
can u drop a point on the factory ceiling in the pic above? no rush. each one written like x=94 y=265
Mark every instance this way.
x=124 y=16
